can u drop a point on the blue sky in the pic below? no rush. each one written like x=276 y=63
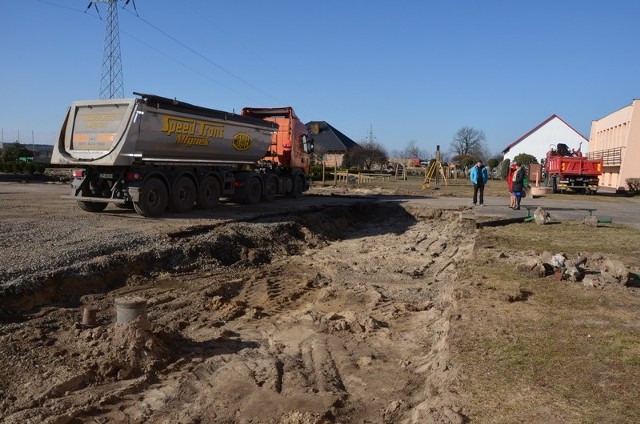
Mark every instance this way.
x=409 y=70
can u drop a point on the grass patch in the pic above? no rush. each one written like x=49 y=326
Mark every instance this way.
x=569 y=237
x=562 y=353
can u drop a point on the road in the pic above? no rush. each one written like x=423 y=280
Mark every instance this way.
x=621 y=210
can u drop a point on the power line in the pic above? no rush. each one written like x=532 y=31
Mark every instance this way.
x=60 y=6
x=283 y=73
x=182 y=45
x=208 y=60
x=189 y=67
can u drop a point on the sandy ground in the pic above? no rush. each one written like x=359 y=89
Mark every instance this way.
x=336 y=313
x=324 y=309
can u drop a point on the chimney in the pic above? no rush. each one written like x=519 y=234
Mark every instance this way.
x=315 y=128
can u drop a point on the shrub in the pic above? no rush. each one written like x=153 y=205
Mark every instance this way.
x=315 y=172
x=633 y=184
x=40 y=167
x=525 y=159
x=9 y=167
x=504 y=168
x=30 y=168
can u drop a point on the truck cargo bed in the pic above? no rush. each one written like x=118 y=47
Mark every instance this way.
x=151 y=128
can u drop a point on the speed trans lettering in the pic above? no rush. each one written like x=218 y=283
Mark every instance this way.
x=191 y=132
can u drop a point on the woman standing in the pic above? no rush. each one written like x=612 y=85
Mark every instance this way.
x=512 y=197
x=518 y=185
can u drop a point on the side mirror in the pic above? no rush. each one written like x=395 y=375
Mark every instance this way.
x=307 y=144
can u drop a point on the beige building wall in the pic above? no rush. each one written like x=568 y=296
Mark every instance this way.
x=616 y=139
x=333 y=159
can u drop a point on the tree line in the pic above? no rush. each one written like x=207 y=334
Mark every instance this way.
x=467 y=146
x=17 y=158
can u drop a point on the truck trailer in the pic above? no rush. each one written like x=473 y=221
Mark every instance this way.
x=151 y=153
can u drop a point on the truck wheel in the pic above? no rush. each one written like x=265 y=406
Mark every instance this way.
x=208 y=193
x=253 y=190
x=153 y=199
x=183 y=195
x=92 y=206
x=270 y=189
x=298 y=187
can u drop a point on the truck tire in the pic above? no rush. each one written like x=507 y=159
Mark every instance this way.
x=208 y=193
x=270 y=189
x=253 y=191
x=92 y=206
x=154 y=198
x=298 y=186
x=183 y=195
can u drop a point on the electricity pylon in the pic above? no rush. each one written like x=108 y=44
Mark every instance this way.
x=111 y=80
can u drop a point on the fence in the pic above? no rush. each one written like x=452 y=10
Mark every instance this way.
x=360 y=178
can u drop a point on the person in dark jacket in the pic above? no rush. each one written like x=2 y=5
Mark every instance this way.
x=479 y=177
x=518 y=185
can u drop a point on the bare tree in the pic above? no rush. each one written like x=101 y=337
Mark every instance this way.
x=412 y=151
x=368 y=153
x=319 y=155
x=469 y=141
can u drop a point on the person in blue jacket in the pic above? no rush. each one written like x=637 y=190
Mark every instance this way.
x=479 y=177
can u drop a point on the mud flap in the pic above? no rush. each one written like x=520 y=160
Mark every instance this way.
x=134 y=193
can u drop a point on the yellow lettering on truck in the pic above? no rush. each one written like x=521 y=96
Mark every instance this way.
x=174 y=124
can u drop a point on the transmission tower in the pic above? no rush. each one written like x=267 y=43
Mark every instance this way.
x=111 y=81
x=370 y=135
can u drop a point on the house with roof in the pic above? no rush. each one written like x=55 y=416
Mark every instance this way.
x=330 y=144
x=548 y=133
x=615 y=139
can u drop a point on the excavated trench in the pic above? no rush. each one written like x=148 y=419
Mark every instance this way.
x=334 y=315
x=236 y=245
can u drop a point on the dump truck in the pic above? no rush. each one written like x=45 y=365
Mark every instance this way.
x=568 y=170
x=152 y=153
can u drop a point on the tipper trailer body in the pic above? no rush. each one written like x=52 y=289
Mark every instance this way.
x=153 y=153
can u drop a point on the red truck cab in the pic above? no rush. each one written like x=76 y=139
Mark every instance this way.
x=291 y=146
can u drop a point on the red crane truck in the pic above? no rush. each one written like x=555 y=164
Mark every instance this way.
x=568 y=170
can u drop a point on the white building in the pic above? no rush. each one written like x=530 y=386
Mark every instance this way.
x=549 y=133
